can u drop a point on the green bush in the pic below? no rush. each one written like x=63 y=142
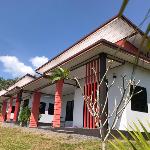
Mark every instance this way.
x=24 y=116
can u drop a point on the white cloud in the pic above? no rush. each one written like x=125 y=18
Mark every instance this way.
x=15 y=67
x=38 y=61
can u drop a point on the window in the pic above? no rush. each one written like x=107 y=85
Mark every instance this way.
x=42 y=108
x=13 y=109
x=51 y=109
x=69 y=111
x=139 y=101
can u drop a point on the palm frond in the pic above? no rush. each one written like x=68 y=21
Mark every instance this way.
x=58 y=74
x=138 y=137
x=123 y=6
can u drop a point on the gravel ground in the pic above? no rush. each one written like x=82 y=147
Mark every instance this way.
x=69 y=138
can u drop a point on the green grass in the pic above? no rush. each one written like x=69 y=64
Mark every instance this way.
x=19 y=139
x=16 y=139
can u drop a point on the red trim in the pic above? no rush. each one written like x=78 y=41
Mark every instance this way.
x=58 y=103
x=17 y=109
x=3 y=117
x=94 y=90
x=88 y=94
x=35 y=110
x=127 y=45
x=89 y=88
x=9 y=109
x=85 y=109
x=98 y=69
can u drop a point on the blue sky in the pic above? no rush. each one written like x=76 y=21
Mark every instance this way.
x=30 y=29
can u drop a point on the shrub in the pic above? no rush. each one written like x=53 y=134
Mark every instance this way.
x=24 y=115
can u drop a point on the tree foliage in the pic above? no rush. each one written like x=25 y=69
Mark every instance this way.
x=5 y=83
x=59 y=74
x=24 y=116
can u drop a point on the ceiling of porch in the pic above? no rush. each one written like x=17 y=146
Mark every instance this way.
x=43 y=85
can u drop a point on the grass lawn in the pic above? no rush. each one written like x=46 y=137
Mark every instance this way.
x=18 y=139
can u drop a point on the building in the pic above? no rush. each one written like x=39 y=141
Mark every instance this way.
x=62 y=104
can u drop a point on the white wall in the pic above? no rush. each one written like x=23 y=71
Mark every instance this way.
x=128 y=115
x=144 y=77
x=46 y=118
x=78 y=109
x=115 y=96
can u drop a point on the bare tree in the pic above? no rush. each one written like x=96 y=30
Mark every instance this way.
x=97 y=109
x=93 y=103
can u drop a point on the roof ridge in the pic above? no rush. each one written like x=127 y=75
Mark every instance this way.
x=128 y=21
x=105 y=23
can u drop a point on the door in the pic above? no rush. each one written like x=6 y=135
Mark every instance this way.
x=69 y=113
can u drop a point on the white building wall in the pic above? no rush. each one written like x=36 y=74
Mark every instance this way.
x=114 y=94
x=46 y=118
x=78 y=109
x=133 y=116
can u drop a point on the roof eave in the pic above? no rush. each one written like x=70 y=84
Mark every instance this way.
x=102 y=41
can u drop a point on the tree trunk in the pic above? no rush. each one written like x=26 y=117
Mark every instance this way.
x=103 y=145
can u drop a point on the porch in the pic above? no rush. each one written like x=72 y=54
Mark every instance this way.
x=72 y=112
x=69 y=110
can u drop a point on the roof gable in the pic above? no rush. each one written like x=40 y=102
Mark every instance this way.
x=22 y=81
x=112 y=31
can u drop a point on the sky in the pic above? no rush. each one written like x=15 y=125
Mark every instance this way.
x=34 y=31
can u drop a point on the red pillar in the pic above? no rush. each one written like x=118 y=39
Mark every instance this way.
x=35 y=110
x=58 y=102
x=3 y=111
x=17 y=109
x=9 y=109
